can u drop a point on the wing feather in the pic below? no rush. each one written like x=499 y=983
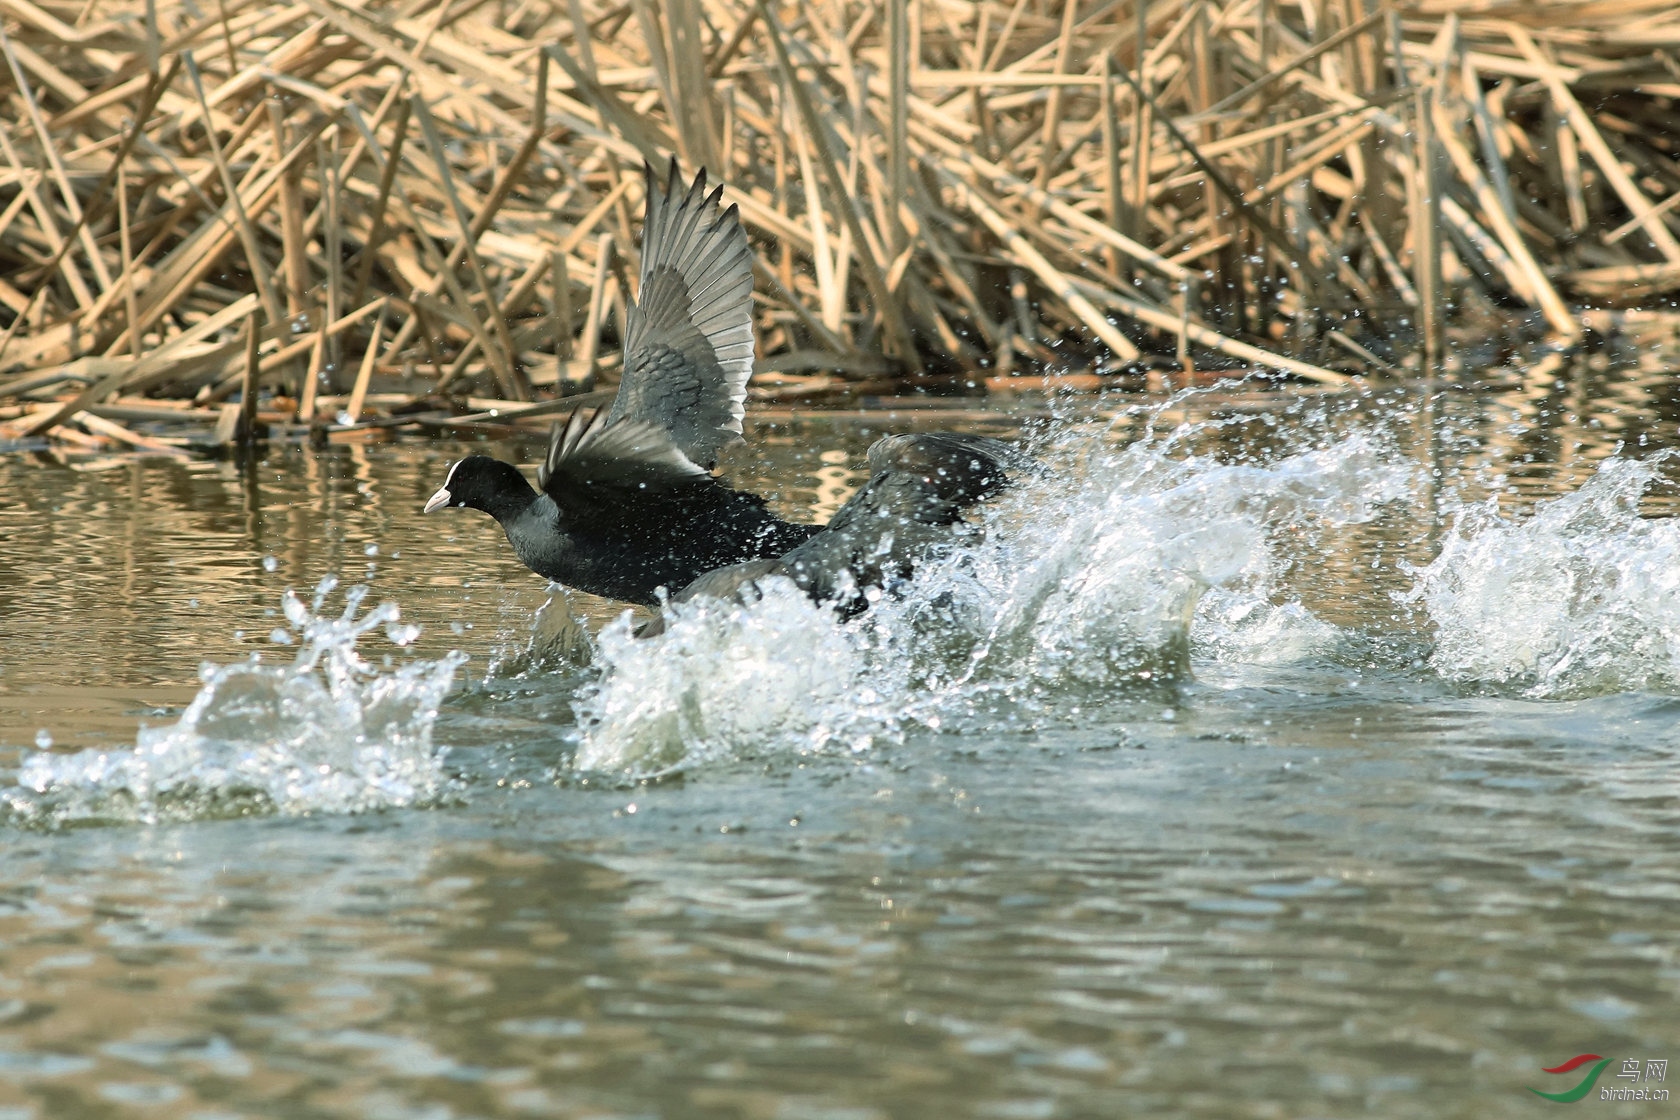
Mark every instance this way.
x=590 y=453
x=689 y=341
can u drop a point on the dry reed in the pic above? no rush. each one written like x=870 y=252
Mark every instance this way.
x=358 y=214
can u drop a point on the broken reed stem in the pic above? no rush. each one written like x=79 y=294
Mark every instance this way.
x=501 y=352
x=562 y=305
x=247 y=234
x=358 y=394
x=125 y=242
x=1426 y=230
x=326 y=164
x=246 y=430
x=387 y=179
x=295 y=254
x=597 y=304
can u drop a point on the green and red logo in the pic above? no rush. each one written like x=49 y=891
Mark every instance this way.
x=1586 y=1084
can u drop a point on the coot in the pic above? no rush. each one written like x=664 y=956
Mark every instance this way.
x=625 y=503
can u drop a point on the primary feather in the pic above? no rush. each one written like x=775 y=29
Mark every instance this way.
x=688 y=350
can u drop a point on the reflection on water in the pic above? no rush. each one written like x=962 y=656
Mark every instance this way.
x=1358 y=860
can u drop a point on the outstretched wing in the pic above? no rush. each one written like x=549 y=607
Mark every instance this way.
x=934 y=476
x=689 y=346
x=592 y=457
x=911 y=507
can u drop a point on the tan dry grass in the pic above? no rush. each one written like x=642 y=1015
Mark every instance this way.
x=236 y=196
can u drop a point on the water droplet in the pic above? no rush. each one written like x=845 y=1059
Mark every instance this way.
x=280 y=636
x=271 y=563
x=402 y=634
x=43 y=738
x=296 y=613
x=371 y=550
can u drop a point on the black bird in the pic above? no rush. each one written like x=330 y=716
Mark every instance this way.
x=621 y=512
x=626 y=504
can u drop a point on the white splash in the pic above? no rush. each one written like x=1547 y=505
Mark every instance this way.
x=1236 y=625
x=721 y=679
x=328 y=733
x=1105 y=582
x=1582 y=597
x=1087 y=586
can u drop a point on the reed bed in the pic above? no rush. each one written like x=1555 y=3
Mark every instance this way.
x=234 y=218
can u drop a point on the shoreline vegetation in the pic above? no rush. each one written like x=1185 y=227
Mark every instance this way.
x=234 y=220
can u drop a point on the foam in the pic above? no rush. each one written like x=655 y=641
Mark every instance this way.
x=1091 y=584
x=327 y=733
x=1581 y=597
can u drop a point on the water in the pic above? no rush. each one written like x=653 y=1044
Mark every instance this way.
x=1299 y=757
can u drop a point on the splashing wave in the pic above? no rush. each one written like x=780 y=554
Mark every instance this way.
x=328 y=733
x=722 y=677
x=1087 y=586
x=1582 y=597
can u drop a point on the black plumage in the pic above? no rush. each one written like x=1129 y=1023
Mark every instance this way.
x=621 y=511
x=688 y=349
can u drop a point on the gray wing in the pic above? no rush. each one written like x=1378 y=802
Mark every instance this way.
x=689 y=346
x=592 y=452
x=951 y=471
x=912 y=506
x=737 y=581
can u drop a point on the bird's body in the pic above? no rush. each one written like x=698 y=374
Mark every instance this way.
x=626 y=504
x=632 y=543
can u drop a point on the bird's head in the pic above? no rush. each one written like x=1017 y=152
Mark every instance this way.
x=482 y=483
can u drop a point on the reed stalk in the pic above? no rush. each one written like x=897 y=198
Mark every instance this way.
x=948 y=195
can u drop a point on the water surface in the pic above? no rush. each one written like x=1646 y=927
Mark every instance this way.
x=1274 y=757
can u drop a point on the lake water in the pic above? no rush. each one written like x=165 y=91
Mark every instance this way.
x=1274 y=756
